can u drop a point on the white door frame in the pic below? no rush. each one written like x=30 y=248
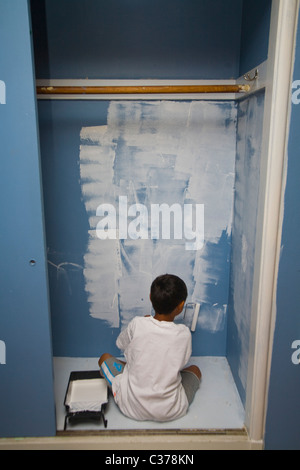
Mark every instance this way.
x=279 y=73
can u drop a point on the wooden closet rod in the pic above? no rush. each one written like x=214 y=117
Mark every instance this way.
x=116 y=90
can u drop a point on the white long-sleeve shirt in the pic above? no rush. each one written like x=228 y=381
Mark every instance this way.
x=150 y=386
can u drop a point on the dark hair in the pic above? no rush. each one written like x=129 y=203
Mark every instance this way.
x=167 y=292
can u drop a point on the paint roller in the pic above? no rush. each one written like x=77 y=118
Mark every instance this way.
x=195 y=316
x=191 y=314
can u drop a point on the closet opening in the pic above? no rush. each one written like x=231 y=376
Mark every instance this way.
x=208 y=149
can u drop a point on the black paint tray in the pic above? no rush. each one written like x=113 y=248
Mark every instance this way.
x=86 y=397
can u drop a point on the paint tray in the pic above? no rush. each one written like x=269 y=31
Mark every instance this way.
x=86 y=397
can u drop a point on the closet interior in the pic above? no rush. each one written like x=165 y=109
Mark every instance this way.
x=142 y=104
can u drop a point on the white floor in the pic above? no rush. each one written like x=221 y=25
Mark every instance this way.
x=217 y=404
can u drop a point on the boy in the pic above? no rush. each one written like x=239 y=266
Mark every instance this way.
x=152 y=384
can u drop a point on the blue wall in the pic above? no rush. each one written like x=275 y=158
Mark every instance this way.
x=67 y=226
x=26 y=390
x=283 y=417
x=176 y=39
x=247 y=172
x=254 y=34
x=137 y=39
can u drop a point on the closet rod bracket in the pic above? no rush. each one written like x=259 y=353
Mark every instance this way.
x=249 y=78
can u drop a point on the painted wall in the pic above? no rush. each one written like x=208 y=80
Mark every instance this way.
x=195 y=45
x=26 y=382
x=150 y=153
x=283 y=417
x=247 y=171
x=73 y=286
x=90 y=298
x=253 y=51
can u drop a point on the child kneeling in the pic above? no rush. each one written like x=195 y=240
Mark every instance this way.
x=153 y=384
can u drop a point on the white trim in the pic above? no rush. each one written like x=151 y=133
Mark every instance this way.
x=269 y=222
x=135 y=441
